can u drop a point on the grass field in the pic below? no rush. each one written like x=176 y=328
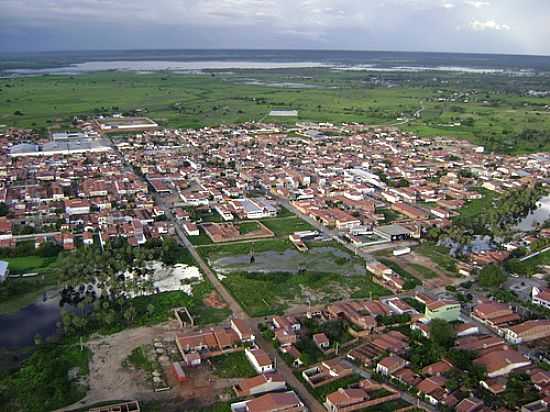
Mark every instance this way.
x=233 y=365
x=427 y=273
x=263 y=294
x=28 y=264
x=287 y=225
x=493 y=119
x=410 y=280
x=439 y=255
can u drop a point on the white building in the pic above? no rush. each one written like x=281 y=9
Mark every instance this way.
x=259 y=360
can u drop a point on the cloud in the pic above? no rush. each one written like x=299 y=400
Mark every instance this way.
x=448 y=6
x=477 y=25
x=477 y=4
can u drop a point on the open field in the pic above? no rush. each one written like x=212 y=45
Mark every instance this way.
x=280 y=276
x=232 y=365
x=438 y=254
x=494 y=119
x=27 y=264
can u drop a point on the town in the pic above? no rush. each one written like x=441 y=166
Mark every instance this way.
x=310 y=267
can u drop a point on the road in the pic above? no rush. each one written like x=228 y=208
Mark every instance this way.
x=238 y=312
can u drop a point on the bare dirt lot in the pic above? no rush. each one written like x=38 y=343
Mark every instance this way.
x=110 y=380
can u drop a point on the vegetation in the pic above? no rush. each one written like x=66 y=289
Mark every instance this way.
x=410 y=281
x=138 y=359
x=442 y=333
x=491 y=276
x=287 y=225
x=44 y=382
x=507 y=122
x=232 y=365
x=427 y=273
x=263 y=294
x=248 y=227
x=116 y=310
x=439 y=255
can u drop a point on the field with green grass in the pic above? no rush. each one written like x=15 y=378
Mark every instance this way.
x=439 y=255
x=232 y=365
x=507 y=121
x=28 y=264
x=284 y=226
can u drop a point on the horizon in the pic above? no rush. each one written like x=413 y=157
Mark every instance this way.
x=270 y=49
x=445 y=26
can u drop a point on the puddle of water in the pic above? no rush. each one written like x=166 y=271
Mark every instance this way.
x=541 y=214
x=322 y=259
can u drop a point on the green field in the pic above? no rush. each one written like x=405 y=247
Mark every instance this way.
x=439 y=255
x=286 y=226
x=232 y=365
x=498 y=120
x=28 y=264
x=427 y=273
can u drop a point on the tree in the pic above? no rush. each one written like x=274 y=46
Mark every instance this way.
x=442 y=333
x=491 y=276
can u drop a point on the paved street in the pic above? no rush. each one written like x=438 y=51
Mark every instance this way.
x=308 y=399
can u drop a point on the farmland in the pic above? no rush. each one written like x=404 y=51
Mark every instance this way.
x=505 y=121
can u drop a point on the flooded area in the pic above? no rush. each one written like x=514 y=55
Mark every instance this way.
x=538 y=216
x=18 y=329
x=321 y=259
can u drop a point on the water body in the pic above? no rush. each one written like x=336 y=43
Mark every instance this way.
x=18 y=330
x=145 y=60
x=539 y=215
x=322 y=259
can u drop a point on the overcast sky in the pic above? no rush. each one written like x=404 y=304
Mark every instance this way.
x=493 y=26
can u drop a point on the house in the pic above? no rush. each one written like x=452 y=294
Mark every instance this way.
x=495 y=315
x=327 y=371
x=502 y=362
x=448 y=310
x=259 y=360
x=321 y=341
x=528 y=331
x=469 y=405
x=541 y=297
x=243 y=330
x=266 y=382
x=77 y=206
x=271 y=402
x=433 y=389
x=365 y=395
x=390 y=364
x=191 y=229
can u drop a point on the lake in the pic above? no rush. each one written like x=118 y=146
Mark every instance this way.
x=541 y=214
x=18 y=330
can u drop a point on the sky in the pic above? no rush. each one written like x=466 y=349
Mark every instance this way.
x=472 y=26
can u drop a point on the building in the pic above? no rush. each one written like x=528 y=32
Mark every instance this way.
x=393 y=232
x=528 y=331
x=448 y=310
x=264 y=383
x=60 y=147
x=243 y=330
x=271 y=402
x=502 y=362
x=541 y=297
x=259 y=360
x=321 y=341
x=495 y=315
x=390 y=364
